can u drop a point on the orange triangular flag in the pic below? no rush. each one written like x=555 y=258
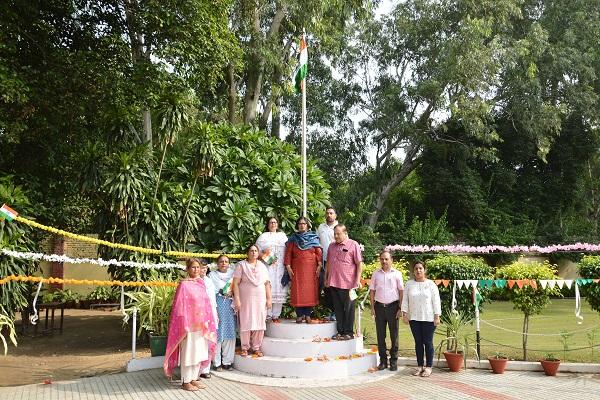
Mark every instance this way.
x=511 y=283
x=445 y=282
x=520 y=283
x=533 y=283
x=596 y=280
x=437 y=282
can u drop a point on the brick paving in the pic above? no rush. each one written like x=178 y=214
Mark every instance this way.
x=471 y=384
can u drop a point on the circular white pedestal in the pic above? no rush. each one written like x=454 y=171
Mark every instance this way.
x=308 y=348
x=289 y=329
x=291 y=367
x=306 y=351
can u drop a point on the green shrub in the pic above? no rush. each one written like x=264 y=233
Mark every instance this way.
x=528 y=300
x=589 y=267
x=458 y=267
x=401 y=265
x=103 y=293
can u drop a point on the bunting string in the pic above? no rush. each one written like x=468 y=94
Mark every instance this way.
x=99 y=261
x=138 y=249
x=465 y=249
x=22 y=278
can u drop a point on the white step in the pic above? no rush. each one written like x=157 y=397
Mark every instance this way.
x=309 y=348
x=288 y=367
x=289 y=329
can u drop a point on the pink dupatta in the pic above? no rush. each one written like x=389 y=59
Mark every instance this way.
x=191 y=312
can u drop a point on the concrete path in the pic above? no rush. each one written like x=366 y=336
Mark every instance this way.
x=471 y=384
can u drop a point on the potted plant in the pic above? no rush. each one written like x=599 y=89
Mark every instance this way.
x=498 y=362
x=456 y=341
x=153 y=304
x=550 y=364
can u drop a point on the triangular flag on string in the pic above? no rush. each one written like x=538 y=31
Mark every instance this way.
x=596 y=280
x=460 y=283
x=521 y=282
x=486 y=283
x=569 y=283
x=500 y=283
x=580 y=281
x=511 y=283
x=474 y=282
x=560 y=283
x=589 y=280
x=544 y=283
x=552 y=283
x=445 y=282
x=533 y=283
x=437 y=282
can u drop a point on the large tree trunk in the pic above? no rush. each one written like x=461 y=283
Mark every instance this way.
x=409 y=164
x=136 y=41
x=231 y=94
x=255 y=73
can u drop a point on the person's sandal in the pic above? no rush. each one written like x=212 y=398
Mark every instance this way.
x=244 y=353
x=417 y=371
x=299 y=320
x=198 y=384
x=189 y=387
x=258 y=353
x=307 y=319
x=426 y=372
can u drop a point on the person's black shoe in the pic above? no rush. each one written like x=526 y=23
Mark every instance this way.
x=382 y=365
x=205 y=376
x=393 y=366
x=228 y=367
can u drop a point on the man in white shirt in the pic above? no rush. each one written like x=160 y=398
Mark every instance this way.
x=325 y=232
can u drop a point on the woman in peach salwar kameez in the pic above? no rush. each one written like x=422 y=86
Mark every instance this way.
x=252 y=298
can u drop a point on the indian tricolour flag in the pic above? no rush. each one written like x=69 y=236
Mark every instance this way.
x=302 y=69
x=8 y=213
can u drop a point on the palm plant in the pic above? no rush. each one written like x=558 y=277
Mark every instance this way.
x=456 y=340
x=153 y=305
x=7 y=324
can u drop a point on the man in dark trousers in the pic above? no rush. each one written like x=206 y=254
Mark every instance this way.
x=386 y=289
x=344 y=266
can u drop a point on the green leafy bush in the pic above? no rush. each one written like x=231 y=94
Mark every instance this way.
x=589 y=267
x=103 y=294
x=454 y=267
x=529 y=300
x=62 y=296
x=401 y=265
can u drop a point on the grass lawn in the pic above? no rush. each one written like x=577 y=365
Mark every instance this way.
x=558 y=316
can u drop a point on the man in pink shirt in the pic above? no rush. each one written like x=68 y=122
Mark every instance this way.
x=386 y=289
x=344 y=266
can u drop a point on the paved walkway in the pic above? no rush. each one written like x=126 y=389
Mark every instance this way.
x=471 y=384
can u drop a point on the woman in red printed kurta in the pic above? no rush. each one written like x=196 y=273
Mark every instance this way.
x=303 y=260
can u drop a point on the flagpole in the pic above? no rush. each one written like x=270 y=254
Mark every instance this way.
x=304 y=143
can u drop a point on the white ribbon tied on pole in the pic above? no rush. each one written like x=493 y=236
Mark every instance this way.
x=578 y=305
x=34 y=318
x=454 y=303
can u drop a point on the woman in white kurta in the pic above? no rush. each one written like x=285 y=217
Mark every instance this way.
x=271 y=244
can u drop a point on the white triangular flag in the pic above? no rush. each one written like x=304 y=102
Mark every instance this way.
x=544 y=283
x=569 y=283
x=552 y=283
x=474 y=283
x=560 y=283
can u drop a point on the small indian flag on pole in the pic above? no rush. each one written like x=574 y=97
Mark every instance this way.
x=8 y=213
x=302 y=69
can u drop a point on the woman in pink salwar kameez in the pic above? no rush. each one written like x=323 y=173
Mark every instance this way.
x=192 y=330
x=252 y=298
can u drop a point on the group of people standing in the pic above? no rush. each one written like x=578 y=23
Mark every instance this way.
x=325 y=264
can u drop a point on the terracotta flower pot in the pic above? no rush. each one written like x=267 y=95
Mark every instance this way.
x=454 y=360
x=498 y=364
x=550 y=367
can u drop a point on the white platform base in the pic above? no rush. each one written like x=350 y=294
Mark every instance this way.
x=288 y=367
x=289 y=329
x=360 y=379
x=141 y=364
x=306 y=347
